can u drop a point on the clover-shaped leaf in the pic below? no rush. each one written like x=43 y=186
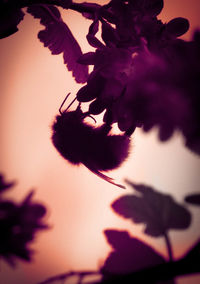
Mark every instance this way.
x=160 y=212
x=59 y=39
x=129 y=254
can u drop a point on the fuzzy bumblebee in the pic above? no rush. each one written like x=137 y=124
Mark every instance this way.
x=80 y=143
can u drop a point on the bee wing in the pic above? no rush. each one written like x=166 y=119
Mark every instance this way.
x=106 y=178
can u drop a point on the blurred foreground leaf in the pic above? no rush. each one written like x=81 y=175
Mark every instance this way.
x=129 y=254
x=160 y=212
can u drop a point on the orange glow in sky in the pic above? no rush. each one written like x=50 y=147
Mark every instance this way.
x=33 y=85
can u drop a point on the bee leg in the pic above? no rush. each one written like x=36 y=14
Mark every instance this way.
x=87 y=114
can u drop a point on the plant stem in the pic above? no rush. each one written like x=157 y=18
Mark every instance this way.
x=169 y=247
x=78 y=7
x=63 y=277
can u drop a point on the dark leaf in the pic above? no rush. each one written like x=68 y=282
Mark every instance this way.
x=96 y=107
x=157 y=210
x=83 y=95
x=64 y=4
x=193 y=199
x=10 y=17
x=178 y=26
x=91 y=9
x=91 y=38
x=108 y=15
x=59 y=39
x=150 y=7
x=94 y=27
x=94 y=42
x=129 y=254
x=154 y=7
x=87 y=58
x=46 y=13
x=93 y=88
x=109 y=34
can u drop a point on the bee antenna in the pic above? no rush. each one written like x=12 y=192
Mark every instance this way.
x=60 y=109
x=70 y=104
x=63 y=103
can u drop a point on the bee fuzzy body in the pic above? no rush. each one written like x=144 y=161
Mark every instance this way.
x=79 y=142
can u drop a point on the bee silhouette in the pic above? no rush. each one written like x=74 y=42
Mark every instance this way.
x=80 y=143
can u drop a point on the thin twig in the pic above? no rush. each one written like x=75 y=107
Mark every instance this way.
x=64 y=276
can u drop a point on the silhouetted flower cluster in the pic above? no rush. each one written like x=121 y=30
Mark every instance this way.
x=18 y=225
x=143 y=75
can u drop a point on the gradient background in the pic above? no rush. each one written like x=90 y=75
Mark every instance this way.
x=33 y=84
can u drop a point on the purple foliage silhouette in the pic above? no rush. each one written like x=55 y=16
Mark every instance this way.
x=18 y=223
x=129 y=254
x=158 y=211
x=143 y=76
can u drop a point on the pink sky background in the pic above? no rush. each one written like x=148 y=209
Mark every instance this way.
x=33 y=85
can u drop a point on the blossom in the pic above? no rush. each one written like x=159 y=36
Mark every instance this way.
x=164 y=92
x=147 y=87
x=152 y=98
x=139 y=73
x=106 y=82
